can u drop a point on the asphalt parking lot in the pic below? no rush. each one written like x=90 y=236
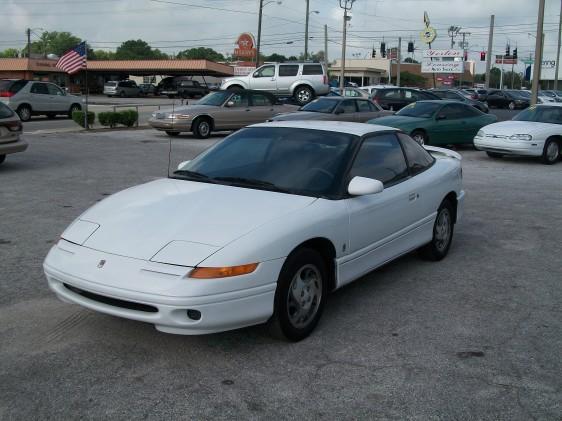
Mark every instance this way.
x=476 y=336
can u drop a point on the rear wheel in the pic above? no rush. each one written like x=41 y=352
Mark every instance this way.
x=551 y=152
x=300 y=295
x=420 y=136
x=494 y=155
x=202 y=128
x=170 y=133
x=303 y=95
x=234 y=88
x=24 y=112
x=443 y=229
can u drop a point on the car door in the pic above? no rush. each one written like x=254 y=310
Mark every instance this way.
x=366 y=110
x=471 y=123
x=262 y=106
x=57 y=99
x=447 y=125
x=346 y=110
x=39 y=96
x=237 y=112
x=264 y=79
x=495 y=99
x=379 y=223
x=391 y=99
x=287 y=75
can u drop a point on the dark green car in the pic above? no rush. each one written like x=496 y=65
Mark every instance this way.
x=438 y=122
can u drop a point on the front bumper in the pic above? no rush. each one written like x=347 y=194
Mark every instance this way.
x=158 y=293
x=170 y=124
x=509 y=147
x=13 y=147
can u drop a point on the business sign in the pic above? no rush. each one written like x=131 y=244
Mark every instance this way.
x=442 y=53
x=548 y=70
x=246 y=46
x=429 y=34
x=505 y=60
x=243 y=70
x=442 y=61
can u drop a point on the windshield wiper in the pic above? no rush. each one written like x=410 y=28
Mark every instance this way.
x=192 y=174
x=251 y=182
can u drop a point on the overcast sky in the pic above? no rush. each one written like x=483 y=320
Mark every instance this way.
x=178 y=24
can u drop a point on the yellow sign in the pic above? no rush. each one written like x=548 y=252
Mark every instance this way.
x=429 y=34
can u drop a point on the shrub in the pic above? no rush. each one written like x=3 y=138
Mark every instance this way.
x=128 y=117
x=109 y=118
x=78 y=117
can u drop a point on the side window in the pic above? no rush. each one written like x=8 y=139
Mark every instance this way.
x=312 y=69
x=381 y=158
x=452 y=112
x=411 y=95
x=470 y=111
x=391 y=94
x=363 y=106
x=265 y=71
x=240 y=99
x=261 y=100
x=418 y=158
x=54 y=90
x=347 y=106
x=288 y=70
x=373 y=107
x=39 y=88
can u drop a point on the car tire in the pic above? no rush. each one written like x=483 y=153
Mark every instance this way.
x=303 y=95
x=511 y=105
x=73 y=107
x=122 y=94
x=202 y=128
x=420 y=136
x=551 y=152
x=234 y=88
x=170 y=133
x=300 y=295
x=494 y=155
x=2 y=158
x=443 y=229
x=24 y=112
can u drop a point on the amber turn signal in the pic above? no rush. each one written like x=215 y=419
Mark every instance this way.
x=224 y=272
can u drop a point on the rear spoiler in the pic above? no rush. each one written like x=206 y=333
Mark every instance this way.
x=442 y=152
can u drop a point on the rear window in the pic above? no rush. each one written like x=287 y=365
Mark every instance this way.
x=110 y=83
x=312 y=69
x=5 y=111
x=12 y=86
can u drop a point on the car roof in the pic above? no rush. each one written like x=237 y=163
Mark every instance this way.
x=358 y=129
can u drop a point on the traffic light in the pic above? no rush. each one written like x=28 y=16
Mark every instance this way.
x=507 y=49
x=411 y=47
x=374 y=53
x=482 y=56
x=515 y=53
x=383 y=49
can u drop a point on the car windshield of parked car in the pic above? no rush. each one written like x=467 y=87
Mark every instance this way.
x=215 y=98
x=419 y=109
x=320 y=106
x=543 y=114
x=290 y=160
x=522 y=94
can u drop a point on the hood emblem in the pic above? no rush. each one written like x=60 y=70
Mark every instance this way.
x=101 y=264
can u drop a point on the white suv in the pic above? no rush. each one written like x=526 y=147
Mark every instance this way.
x=303 y=81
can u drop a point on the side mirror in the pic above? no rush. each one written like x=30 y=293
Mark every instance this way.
x=256 y=74
x=230 y=104
x=361 y=186
x=183 y=164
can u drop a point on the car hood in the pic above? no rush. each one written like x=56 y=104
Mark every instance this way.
x=508 y=128
x=195 y=108
x=140 y=221
x=398 y=121
x=302 y=115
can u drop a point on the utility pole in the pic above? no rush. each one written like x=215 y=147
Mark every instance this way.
x=346 y=5
x=259 y=35
x=538 y=55
x=464 y=34
x=489 y=56
x=326 y=45
x=306 y=30
x=558 y=50
x=28 y=32
x=399 y=59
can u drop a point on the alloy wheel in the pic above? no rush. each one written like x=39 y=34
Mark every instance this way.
x=305 y=295
x=552 y=151
x=443 y=230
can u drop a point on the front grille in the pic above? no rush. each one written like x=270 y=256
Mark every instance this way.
x=129 y=305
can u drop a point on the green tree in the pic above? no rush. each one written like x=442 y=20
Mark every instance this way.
x=319 y=56
x=137 y=50
x=275 y=58
x=54 y=43
x=410 y=79
x=101 y=55
x=10 y=53
x=410 y=60
x=201 y=53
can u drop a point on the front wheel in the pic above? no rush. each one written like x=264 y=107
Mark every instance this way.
x=443 y=229
x=202 y=128
x=300 y=295
x=551 y=152
x=419 y=136
x=303 y=95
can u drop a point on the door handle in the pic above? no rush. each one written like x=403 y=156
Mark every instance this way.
x=413 y=196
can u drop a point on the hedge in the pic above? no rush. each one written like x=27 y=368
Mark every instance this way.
x=127 y=118
x=109 y=118
x=78 y=117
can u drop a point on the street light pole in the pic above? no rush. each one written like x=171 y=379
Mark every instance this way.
x=259 y=35
x=306 y=30
x=538 y=55
x=346 y=5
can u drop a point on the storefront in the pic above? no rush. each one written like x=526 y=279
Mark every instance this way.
x=33 y=69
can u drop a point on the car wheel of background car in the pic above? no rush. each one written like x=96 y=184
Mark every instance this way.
x=443 y=229
x=551 y=151
x=202 y=128
x=24 y=112
x=494 y=155
x=300 y=295
x=2 y=158
x=511 y=105
x=234 y=88
x=303 y=95
x=170 y=133
x=73 y=107
x=419 y=136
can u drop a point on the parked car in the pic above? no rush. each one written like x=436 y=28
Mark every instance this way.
x=457 y=96
x=395 y=99
x=123 y=88
x=181 y=86
x=260 y=228
x=350 y=92
x=29 y=98
x=371 y=89
x=506 y=99
x=10 y=133
x=536 y=131
x=335 y=108
x=438 y=122
x=220 y=110
x=147 y=89
x=556 y=95
x=303 y=81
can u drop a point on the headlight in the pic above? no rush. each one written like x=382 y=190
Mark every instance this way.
x=521 y=137
x=180 y=116
x=222 y=272
x=480 y=133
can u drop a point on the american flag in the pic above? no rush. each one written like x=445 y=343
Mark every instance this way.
x=73 y=60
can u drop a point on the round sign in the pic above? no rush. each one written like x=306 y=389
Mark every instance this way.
x=245 y=41
x=428 y=35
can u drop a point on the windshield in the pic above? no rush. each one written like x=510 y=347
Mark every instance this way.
x=292 y=160
x=320 y=105
x=110 y=83
x=215 y=98
x=419 y=109
x=542 y=114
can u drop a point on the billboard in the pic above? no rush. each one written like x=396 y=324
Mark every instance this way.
x=442 y=61
x=246 y=46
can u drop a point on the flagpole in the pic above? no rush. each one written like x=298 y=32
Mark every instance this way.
x=87 y=87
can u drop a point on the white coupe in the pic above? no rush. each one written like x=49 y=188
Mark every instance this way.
x=536 y=131
x=260 y=227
